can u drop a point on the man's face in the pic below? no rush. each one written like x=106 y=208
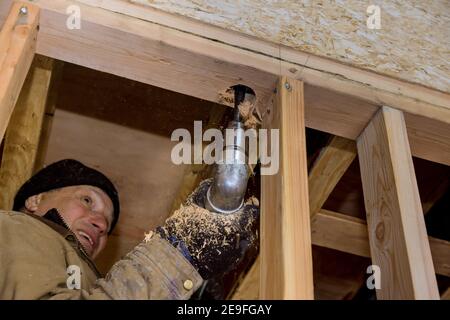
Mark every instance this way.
x=87 y=210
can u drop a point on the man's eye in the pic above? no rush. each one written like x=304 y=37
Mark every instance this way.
x=86 y=200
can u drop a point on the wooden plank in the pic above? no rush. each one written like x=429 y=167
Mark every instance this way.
x=22 y=135
x=249 y=287
x=340 y=232
x=49 y=114
x=328 y=169
x=286 y=258
x=346 y=116
x=337 y=276
x=291 y=62
x=348 y=234
x=17 y=48
x=440 y=250
x=397 y=233
x=174 y=53
x=446 y=294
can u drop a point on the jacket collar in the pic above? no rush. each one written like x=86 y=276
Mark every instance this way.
x=54 y=220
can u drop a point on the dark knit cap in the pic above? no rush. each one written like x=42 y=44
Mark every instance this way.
x=66 y=173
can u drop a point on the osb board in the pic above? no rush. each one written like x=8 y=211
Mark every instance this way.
x=413 y=43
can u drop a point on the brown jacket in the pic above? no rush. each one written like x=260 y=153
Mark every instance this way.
x=35 y=254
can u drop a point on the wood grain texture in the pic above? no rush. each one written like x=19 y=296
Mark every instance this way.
x=24 y=129
x=440 y=250
x=337 y=276
x=328 y=169
x=17 y=48
x=304 y=64
x=286 y=258
x=200 y=60
x=397 y=233
x=49 y=114
x=346 y=116
x=340 y=232
x=446 y=294
x=337 y=30
x=348 y=234
x=249 y=287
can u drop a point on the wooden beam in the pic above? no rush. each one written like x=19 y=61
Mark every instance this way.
x=440 y=250
x=290 y=62
x=446 y=294
x=17 y=48
x=22 y=135
x=49 y=114
x=347 y=234
x=201 y=60
x=337 y=276
x=328 y=169
x=397 y=233
x=340 y=232
x=249 y=287
x=286 y=258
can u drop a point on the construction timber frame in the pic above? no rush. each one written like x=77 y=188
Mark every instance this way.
x=390 y=120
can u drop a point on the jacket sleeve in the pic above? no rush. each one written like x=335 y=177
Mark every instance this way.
x=34 y=261
x=152 y=270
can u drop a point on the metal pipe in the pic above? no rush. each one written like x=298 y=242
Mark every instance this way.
x=227 y=191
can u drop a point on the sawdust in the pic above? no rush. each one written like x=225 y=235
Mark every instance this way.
x=247 y=109
x=226 y=97
x=248 y=112
x=213 y=238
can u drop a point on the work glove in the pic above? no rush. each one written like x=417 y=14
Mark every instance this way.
x=214 y=243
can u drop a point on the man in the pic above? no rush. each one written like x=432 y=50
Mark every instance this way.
x=61 y=221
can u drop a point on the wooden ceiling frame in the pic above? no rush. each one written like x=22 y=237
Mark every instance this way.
x=202 y=61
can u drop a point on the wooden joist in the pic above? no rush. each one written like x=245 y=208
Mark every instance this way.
x=446 y=294
x=249 y=287
x=397 y=233
x=347 y=234
x=328 y=169
x=17 y=48
x=286 y=257
x=282 y=60
x=24 y=130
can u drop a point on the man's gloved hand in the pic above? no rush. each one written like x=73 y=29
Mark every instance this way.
x=214 y=243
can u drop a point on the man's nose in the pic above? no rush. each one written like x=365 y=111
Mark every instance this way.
x=99 y=222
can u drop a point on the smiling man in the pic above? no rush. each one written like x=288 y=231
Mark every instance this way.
x=88 y=210
x=61 y=220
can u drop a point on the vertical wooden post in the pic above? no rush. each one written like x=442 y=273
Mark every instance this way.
x=49 y=114
x=22 y=135
x=286 y=254
x=17 y=48
x=397 y=234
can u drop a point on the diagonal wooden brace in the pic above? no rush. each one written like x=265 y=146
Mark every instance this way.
x=17 y=49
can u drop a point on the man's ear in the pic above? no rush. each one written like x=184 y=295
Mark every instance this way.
x=32 y=203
